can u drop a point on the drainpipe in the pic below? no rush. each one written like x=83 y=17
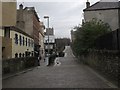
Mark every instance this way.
x=118 y=30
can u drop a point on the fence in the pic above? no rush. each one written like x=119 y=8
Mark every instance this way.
x=18 y=64
x=110 y=41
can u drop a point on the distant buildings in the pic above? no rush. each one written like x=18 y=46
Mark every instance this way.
x=108 y=12
x=72 y=36
x=51 y=45
x=61 y=43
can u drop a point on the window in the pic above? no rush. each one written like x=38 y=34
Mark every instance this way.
x=23 y=55
x=16 y=38
x=20 y=55
x=26 y=41
x=20 y=40
x=29 y=42
x=23 y=41
x=16 y=55
x=7 y=32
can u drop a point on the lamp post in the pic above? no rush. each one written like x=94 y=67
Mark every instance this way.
x=47 y=17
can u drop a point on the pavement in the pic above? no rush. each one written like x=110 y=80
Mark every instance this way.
x=65 y=73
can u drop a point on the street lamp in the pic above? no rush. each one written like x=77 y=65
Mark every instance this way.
x=47 y=17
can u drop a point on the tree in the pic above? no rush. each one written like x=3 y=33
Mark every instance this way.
x=87 y=33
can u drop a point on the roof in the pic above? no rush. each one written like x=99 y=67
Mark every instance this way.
x=103 y=6
x=14 y=28
x=32 y=9
x=20 y=31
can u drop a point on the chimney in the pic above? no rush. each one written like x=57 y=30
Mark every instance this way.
x=20 y=6
x=87 y=4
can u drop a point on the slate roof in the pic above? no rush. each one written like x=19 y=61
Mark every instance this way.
x=103 y=6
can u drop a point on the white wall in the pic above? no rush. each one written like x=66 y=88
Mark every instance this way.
x=1 y=32
x=16 y=48
x=51 y=39
x=107 y=16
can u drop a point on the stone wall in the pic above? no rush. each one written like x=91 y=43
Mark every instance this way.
x=18 y=64
x=105 y=16
x=105 y=62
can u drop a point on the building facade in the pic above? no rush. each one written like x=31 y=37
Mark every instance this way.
x=49 y=41
x=8 y=18
x=16 y=43
x=108 y=12
x=41 y=40
x=72 y=36
x=28 y=21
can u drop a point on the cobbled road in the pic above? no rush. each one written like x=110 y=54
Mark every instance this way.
x=67 y=74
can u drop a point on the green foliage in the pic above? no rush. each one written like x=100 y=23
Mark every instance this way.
x=86 y=34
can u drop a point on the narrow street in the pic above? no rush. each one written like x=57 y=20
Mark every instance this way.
x=67 y=74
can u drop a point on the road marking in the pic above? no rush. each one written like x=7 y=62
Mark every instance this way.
x=57 y=62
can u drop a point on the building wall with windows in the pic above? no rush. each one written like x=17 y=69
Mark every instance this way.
x=41 y=40
x=23 y=44
x=108 y=12
x=51 y=45
x=107 y=16
x=28 y=21
x=18 y=44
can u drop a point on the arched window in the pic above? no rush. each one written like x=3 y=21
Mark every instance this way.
x=26 y=41
x=23 y=55
x=16 y=55
x=20 y=55
x=20 y=40
x=16 y=38
x=23 y=41
x=29 y=42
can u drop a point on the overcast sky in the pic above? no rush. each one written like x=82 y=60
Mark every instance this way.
x=64 y=14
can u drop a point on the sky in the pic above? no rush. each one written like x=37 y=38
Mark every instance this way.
x=63 y=14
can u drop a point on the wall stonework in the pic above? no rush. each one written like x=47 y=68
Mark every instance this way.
x=7 y=16
x=15 y=65
x=105 y=62
x=7 y=47
x=107 y=16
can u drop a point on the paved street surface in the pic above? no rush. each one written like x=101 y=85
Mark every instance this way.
x=66 y=73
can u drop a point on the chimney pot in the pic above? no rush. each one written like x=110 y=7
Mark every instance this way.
x=87 y=4
x=20 y=6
